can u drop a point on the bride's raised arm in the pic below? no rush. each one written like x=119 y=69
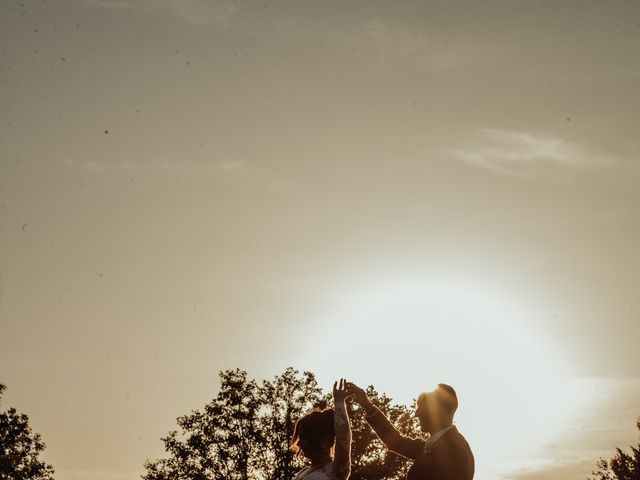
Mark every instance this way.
x=342 y=459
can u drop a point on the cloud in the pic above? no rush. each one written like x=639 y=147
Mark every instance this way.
x=396 y=45
x=193 y=11
x=175 y=167
x=235 y=171
x=158 y=165
x=590 y=432
x=523 y=154
x=569 y=470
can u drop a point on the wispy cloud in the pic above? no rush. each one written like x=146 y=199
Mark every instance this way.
x=192 y=11
x=522 y=153
x=397 y=44
x=591 y=432
x=232 y=170
x=158 y=165
x=568 y=470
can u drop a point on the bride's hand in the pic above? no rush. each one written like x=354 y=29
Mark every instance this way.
x=340 y=392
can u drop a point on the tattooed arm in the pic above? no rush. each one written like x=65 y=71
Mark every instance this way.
x=342 y=460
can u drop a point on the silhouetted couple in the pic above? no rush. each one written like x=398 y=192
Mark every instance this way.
x=443 y=455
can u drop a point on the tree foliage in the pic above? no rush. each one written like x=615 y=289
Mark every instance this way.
x=20 y=448
x=244 y=433
x=622 y=466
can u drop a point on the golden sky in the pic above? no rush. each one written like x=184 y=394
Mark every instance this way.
x=358 y=188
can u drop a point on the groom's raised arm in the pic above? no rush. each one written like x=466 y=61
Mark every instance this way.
x=387 y=433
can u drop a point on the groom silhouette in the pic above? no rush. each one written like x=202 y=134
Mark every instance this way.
x=444 y=455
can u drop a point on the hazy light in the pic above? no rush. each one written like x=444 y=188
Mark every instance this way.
x=404 y=336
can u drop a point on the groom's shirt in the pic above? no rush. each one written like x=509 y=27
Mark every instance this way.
x=436 y=436
x=446 y=455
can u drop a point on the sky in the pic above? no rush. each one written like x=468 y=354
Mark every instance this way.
x=401 y=193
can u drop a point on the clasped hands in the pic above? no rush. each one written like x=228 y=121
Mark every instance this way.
x=343 y=390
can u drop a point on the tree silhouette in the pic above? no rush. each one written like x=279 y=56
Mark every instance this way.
x=217 y=443
x=623 y=465
x=20 y=448
x=283 y=401
x=244 y=433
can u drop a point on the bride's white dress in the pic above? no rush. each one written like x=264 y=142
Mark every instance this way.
x=324 y=473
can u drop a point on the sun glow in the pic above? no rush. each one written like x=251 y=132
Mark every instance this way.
x=405 y=336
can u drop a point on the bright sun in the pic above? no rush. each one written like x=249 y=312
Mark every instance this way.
x=406 y=336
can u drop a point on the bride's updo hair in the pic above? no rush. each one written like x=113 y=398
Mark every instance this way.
x=316 y=428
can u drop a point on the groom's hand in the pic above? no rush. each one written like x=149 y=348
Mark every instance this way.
x=359 y=396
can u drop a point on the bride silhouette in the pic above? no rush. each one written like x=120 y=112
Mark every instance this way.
x=318 y=432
